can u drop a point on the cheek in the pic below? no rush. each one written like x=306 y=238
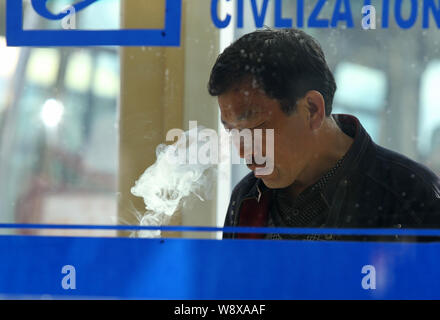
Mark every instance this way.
x=290 y=151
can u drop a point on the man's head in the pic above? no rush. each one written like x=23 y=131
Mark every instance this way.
x=276 y=79
x=284 y=63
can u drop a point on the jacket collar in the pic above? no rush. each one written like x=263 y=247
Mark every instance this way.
x=351 y=126
x=257 y=190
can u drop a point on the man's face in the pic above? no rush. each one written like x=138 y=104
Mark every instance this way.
x=246 y=106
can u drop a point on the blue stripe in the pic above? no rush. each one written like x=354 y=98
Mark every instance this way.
x=296 y=231
x=207 y=269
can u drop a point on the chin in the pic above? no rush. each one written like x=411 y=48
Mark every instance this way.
x=270 y=185
x=273 y=180
x=273 y=183
x=270 y=182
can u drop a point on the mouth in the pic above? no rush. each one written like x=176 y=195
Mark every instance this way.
x=254 y=167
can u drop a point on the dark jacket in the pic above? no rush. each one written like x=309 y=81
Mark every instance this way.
x=375 y=188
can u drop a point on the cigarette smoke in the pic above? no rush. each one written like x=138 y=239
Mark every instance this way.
x=167 y=185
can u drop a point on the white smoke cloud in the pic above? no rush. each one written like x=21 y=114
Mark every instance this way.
x=168 y=184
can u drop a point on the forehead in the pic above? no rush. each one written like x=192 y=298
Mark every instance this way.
x=243 y=102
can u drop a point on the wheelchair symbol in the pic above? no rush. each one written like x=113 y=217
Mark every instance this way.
x=40 y=6
x=16 y=36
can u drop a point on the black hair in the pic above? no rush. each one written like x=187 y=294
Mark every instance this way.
x=286 y=63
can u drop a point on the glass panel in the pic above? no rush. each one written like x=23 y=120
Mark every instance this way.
x=79 y=126
x=43 y=66
x=106 y=80
x=360 y=87
x=430 y=111
x=79 y=72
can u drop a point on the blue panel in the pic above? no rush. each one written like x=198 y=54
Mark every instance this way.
x=16 y=36
x=213 y=269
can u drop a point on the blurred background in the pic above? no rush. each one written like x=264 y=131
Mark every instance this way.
x=78 y=126
x=58 y=127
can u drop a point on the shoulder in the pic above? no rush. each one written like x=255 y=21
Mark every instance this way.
x=403 y=174
x=412 y=187
x=394 y=189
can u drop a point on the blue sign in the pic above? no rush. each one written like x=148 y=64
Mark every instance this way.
x=341 y=14
x=16 y=36
x=65 y=267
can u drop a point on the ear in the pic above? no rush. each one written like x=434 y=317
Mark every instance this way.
x=315 y=105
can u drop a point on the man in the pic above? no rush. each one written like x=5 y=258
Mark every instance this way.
x=327 y=170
